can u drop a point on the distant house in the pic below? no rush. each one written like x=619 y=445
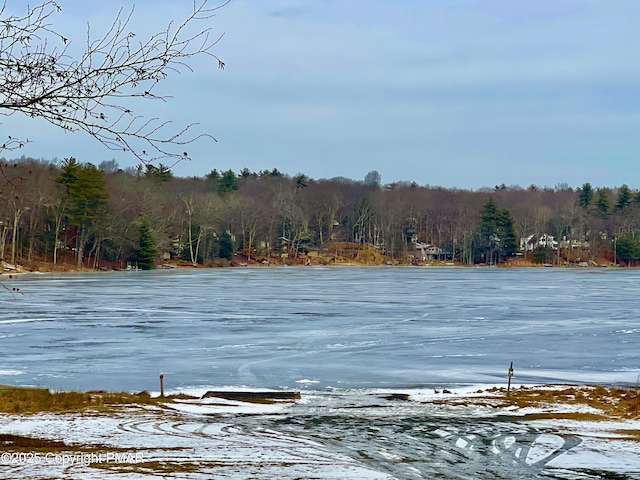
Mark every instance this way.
x=535 y=241
x=568 y=243
x=427 y=252
x=547 y=241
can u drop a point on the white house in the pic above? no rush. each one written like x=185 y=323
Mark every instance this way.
x=534 y=241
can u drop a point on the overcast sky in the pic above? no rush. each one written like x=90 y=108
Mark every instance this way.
x=455 y=93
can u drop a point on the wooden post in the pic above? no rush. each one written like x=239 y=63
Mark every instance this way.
x=161 y=385
x=510 y=375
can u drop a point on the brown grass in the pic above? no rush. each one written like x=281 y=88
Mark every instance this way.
x=163 y=467
x=158 y=467
x=578 y=416
x=20 y=442
x=619 y=403
x=630 y=434
x=24 y=400
x=26 y=443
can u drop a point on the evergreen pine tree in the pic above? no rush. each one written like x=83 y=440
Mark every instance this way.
x=507 y=233
x=602 y=203
x=585 y=195
x=145 y=255
x=226 y=245
x=87 y=193
x=628 y=248
x=489 y=220
x=161 y=173
x=228 y=182
x=624 y=198
x=497 y=230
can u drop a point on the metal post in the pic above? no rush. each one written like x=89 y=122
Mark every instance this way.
x=161 y=385
x=510 y=375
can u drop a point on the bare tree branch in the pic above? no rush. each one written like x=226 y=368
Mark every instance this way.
x=39 y=77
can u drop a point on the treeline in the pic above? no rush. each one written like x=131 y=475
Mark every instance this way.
x=92 y=214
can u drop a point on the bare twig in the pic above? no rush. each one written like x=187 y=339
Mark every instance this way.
x=40 y=78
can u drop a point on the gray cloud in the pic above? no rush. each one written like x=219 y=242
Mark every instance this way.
x=463 y=93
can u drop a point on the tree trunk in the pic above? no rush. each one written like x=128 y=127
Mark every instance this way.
x=14 y=234
x=81 y=241
x=33 y=219
x=3 y=239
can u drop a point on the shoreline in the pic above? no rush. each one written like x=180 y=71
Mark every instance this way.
x=8 y=272
x=437 y=434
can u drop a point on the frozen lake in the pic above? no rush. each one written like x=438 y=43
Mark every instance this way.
x=319 y=328
x=335 y=334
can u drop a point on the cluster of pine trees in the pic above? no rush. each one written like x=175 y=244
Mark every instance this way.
x=90 y=215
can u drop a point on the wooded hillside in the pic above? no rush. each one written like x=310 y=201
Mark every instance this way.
x=86 y=216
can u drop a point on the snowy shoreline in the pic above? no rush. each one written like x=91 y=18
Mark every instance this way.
x=231 y=439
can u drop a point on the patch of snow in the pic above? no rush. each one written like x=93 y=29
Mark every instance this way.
x=542 y=447
x=218 y=406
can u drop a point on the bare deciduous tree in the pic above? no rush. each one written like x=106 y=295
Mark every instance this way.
x=42 y=76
